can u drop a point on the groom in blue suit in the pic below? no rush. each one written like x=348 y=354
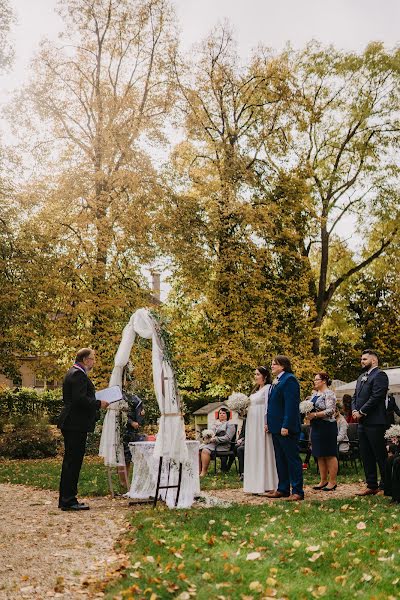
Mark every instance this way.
x=283 y=422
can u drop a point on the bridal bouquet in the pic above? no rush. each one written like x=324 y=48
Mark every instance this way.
x=207 y=434
x=239 y=402
x=393 y=432
x=306 y=407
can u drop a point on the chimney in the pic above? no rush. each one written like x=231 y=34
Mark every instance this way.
x=156 y=284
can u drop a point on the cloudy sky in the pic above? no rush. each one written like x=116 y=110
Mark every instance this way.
x=348 y=24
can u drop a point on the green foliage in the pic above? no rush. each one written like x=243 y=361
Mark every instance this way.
x=26 y=401
x=340 y=358
x=28 y=438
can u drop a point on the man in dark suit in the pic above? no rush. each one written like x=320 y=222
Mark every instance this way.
x=369 y=411
x=283 y=422
x=391 y=409
x=79 y=415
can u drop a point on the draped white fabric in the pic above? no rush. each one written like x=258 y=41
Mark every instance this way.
x=111 y=447
x=145 y=471
x=171 y=437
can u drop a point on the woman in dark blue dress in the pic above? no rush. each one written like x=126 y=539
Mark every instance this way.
x=324 y=432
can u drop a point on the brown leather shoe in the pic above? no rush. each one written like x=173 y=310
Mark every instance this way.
x=295 y=498
x=368 y=492
x=276 y=494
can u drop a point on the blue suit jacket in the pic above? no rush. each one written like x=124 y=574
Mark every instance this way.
x=283 y=405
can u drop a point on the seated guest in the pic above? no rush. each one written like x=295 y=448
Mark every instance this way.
x=392 y=471
x=347 y=411
x=224 y=432
x=342 y=438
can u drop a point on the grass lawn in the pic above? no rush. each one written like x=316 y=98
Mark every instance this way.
x=338 y=549
x=45 y=474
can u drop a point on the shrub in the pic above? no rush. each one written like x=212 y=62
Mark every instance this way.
x=27 y=401
x=28 y=438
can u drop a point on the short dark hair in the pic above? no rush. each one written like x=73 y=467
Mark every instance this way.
x=283 y=361
x=83 y=353
x=226 y=411
x=371 y=352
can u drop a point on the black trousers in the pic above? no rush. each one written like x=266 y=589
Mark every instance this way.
x=240 y=455
x=373 y=452
x=392 y=477
x=74 y=451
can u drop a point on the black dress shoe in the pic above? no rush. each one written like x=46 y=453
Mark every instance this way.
x=76 y=507
x=326 y=489
x=320 y=487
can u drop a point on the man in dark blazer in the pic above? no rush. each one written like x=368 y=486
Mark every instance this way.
x=391 y=409
x=283 y=422
x=79 y=415
x=369 y=411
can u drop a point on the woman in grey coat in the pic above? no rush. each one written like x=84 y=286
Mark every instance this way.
x=224 y=432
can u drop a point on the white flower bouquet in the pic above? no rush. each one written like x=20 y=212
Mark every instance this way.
x=393 y=432
x=306 y=407
x=207 y=434
x=239 y=402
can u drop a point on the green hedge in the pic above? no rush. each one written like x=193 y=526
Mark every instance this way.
x=26 y=401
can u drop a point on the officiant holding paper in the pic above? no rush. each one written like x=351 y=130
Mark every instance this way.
x=78 y=417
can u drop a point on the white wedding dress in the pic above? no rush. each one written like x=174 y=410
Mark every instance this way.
x=259 y=457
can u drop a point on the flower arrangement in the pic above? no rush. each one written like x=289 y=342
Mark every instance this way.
x=393 y=432
x=306 y=407
x=239 y=402
x=207 y=434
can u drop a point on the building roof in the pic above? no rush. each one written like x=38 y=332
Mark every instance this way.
x=207 y=408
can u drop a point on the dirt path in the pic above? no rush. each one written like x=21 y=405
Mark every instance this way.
x=48 y=553
x=344 y=490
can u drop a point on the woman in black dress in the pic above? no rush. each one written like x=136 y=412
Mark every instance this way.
x=324 y=432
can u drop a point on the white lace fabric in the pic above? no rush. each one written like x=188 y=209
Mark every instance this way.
x=145 y=473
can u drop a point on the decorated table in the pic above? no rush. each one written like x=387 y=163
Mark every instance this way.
x=145 y=472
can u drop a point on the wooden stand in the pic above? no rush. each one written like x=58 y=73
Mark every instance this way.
x=168 y=487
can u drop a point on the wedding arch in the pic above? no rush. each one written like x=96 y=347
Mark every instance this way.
x=171 y=439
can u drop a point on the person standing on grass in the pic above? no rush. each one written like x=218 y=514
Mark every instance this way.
x=324 y=432
x=78 y=417
x=283 y=421
x=369 y=411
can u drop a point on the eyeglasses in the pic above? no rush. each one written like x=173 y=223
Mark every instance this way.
x=318 y=380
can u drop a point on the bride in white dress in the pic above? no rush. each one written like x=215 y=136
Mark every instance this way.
x=260 y=473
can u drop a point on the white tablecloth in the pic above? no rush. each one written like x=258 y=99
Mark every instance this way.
x=145 y=473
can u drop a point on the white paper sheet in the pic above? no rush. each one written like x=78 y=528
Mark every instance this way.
x=110 y=394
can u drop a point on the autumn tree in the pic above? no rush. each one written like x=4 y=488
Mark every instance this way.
x=97 y=102
x=9 y=276
x=345 y=131
x=231 y=256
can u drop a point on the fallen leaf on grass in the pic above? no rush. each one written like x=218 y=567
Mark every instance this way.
x=366 y=577
x=253 y=556
x=361 y=525
x=255 y=586
x=312 y=548
x=315 y=556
